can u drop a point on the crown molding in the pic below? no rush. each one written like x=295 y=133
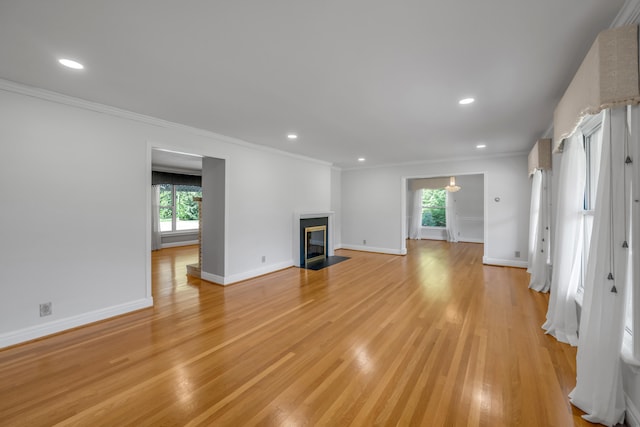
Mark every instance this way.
x=441 y=160
x=59 y=98
x=628 y=14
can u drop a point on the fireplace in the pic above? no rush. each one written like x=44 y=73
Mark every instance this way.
x=315 y=243
x=312 y=238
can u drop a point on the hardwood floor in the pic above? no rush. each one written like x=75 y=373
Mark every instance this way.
x=433 y=338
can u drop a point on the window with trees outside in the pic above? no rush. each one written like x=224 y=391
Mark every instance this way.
x=434 y=208
x=178 y=211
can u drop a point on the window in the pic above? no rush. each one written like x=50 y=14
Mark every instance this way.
x=434 y=211
x=178 y=211
x=592 y=150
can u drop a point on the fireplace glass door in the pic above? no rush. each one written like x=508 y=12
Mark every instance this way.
x=315 y=248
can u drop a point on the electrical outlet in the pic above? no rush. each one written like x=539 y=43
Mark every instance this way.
x=364 y=242
x=264 y=259
x=45 y=309
x=517 y=254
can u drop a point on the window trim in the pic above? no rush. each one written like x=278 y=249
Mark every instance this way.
x=174 y=215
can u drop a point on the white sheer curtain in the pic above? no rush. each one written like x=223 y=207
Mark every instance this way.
x=538 y=236
x=610 y=274
x=562 y=318
x=451 y=218
x=156 y=237
x=415 y=218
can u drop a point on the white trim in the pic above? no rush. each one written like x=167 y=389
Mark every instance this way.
x=178 y=244
x=628 y=14
x=404 y=232
x=53 y=327
x=632 y=416
x=228 y=280
x=470 y=240
x=258 y=272
x=504 y=262
x=35 y=92
x=441 y=160
x=376 y=250
x=213 y=278
x=147 y=267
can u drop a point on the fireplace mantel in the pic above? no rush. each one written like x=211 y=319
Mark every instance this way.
x=297 y=216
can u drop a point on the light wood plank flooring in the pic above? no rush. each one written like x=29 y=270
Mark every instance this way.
x=433 y=338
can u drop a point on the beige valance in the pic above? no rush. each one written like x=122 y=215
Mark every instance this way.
x=430 y=183
x=608 y=77
x=540 y=156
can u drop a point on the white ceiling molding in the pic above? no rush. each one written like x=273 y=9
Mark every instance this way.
x=629 y=14
x=442 y=160
x=59 y=98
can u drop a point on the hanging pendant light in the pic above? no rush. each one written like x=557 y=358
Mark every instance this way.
x=452 y=187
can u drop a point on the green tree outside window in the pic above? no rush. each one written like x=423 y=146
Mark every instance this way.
x=434 y=213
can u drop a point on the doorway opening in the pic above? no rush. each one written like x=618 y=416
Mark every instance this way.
x=434 y=213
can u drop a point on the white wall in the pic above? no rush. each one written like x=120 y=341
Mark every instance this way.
x=75 y=214
x=213 y=219
x=470 y=208
x=179 y=239
x=336 y=206
x=374 y=205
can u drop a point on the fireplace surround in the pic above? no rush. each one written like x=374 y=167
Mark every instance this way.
x=302 y=220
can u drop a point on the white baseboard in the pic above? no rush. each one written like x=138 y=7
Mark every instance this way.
x=632 y=416
x=228 y=280
x=53 y=327
x=377 y=250
x=338 y=246
x=213 y=278
x=505 y=262
x=470 y=240
x=176 y=244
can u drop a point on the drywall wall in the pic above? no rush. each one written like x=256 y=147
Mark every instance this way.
x=336 y=206
x=470 y=208
x=77 y=232
x=213 y=217
x=374 y=205
x=179 y=239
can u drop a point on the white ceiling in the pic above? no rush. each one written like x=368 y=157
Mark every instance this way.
x=377 y=79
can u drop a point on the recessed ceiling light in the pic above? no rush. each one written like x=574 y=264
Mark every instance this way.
x=361 y=159
x=466 y=101
x=292 y=136
x=481 y=146
x=70 y=63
